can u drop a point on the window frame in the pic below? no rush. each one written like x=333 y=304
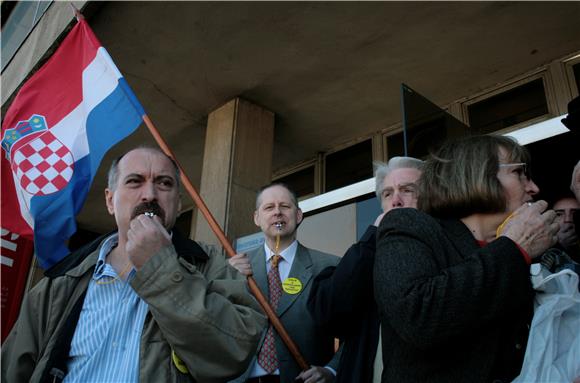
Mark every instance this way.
x=571 y=80
x=549 y=93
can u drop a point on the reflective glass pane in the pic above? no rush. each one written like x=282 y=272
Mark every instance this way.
x=20 y=23
x=301 y=181
x=349 y=165
x=509 y=108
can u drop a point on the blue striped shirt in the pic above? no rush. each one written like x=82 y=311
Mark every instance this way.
x=105 y=346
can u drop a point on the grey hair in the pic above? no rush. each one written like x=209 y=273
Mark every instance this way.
x=574 y=172
x=113 y=175
x=384 y=169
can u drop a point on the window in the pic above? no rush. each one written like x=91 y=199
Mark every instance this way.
x=422 y=139
x=349 y=165
x=519 y=104
x=395 y=145
x=427 y=126
x=301 y=181
x=23 y=17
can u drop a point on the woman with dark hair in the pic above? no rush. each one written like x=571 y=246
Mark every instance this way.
x=452 y=281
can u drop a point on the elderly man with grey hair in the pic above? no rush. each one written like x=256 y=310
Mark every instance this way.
x=342 y=297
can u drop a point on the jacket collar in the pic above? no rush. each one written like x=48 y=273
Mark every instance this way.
x=459 y=235
x=301 y=270
x=188 y=249
x=86 y=256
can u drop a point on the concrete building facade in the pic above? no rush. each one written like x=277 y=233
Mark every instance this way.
x=309 y=92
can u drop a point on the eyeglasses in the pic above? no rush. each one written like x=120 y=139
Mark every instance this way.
x=523 y=170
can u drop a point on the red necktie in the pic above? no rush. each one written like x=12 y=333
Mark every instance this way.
x=267 y=358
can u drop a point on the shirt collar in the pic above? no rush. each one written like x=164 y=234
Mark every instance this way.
x=287 y=254
x=109 y=244
x=102 y=268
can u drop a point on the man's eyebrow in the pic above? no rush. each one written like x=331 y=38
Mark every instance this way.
x=164 y=176
x=133 y=175
x=408 y=184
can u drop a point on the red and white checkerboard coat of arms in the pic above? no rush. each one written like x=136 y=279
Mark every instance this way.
x=40 y=161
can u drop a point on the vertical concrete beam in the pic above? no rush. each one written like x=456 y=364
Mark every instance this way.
x=237 y=161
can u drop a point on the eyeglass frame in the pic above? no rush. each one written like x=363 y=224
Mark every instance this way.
x=527 y=173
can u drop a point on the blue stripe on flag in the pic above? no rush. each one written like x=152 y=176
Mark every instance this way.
x=117 y=116
x=131 y=96
x=54 y=214
x=111 y=121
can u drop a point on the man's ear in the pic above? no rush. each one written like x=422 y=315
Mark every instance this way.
x=109 y=201
x=299 y=216
x=256 y=218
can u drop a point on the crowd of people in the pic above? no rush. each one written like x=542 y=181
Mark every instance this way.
x=436 y=290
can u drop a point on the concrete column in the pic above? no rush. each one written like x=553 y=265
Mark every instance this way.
x=237 y=161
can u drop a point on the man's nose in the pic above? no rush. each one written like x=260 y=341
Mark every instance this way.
x=397 y=201
x=568 y=216
x=149 y=192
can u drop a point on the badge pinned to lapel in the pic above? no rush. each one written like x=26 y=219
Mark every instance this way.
x=292 y=286
x=179 y=364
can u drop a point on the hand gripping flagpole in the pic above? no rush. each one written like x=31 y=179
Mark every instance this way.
x=292 y=347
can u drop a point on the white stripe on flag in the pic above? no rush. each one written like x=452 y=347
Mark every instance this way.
x=99 y=81
x=100 y=78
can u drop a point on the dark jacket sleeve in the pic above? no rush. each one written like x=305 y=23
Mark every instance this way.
x=22 y=348
x=433 y=287
x=339 y=292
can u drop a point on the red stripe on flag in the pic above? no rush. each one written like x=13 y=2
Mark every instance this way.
x=54 y=91
x=60 y=80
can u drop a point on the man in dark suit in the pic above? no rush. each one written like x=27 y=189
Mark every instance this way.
x=284 y=270
x=342 y=298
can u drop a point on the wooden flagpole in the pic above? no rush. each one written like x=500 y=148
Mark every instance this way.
x=292 y=347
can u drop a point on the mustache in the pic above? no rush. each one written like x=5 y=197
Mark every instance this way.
x=145 y=207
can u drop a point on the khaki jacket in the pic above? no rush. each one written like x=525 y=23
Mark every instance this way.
x=199 y=307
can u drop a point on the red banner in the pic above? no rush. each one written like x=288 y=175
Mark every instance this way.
x=16 y=256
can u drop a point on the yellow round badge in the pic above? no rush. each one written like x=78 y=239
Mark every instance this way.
x=292 y=285
x=179 y=363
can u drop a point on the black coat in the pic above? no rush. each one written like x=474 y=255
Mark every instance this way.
x=342 y=300
x=451 y=310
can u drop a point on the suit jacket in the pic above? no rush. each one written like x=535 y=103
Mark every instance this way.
x=315 y=343
x=451 y=310
x=342 y=299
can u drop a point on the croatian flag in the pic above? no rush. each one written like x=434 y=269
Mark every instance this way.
x=54 y=135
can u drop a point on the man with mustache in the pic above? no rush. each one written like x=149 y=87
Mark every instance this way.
x=140 y=304
x=284 y=269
